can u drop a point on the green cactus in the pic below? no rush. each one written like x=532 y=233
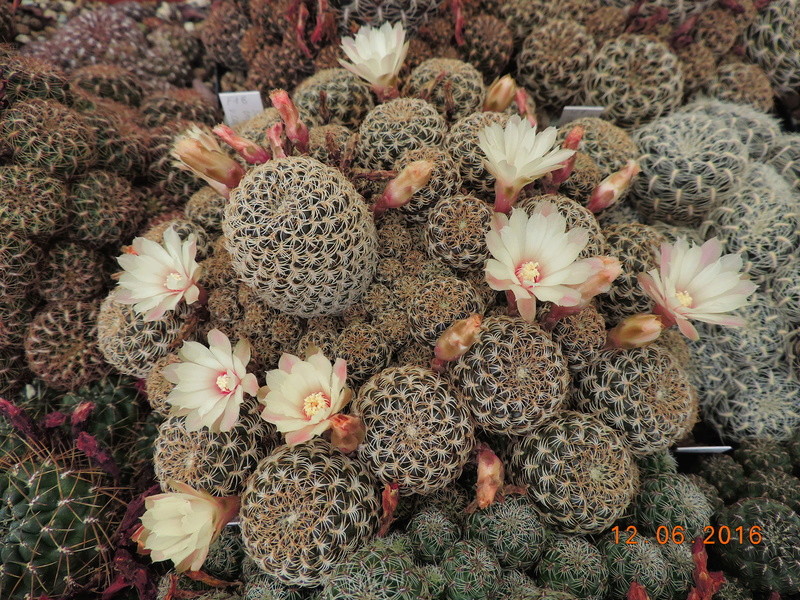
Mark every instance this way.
x=642 y=562
x=774 y=484
x=671 y=501
x=768 y=558
x=680 y=566
x=660 y=463
x=57 y=518
x=760 y=455
x=573 y=564
x=724 y=473
x=471 y=570
x=432 y=534
x=511 y=529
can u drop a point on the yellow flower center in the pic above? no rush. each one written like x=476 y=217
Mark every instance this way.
x=314 y=403
x=684 y=298
x=528 y=273
x=225 y=383
x=174 y=281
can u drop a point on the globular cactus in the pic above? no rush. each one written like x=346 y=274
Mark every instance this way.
x=305 y=508
x=575 y=565
x=456 y=232
x=642 y=562
x=609 y=146
x=488 y=45
x=772 y=43
x=553 y=62
x=278 y=67
x=222 y=31
x=109 y=81
x=690 y=163
x=578 y=471
x=395 y=127
x=439 y=303
x=27 y=77
x=453 y=87
x=333 y=96
x=514 y=377
x=432 y=534
x=178 y=104
x=32 y=204
x=62 y=345
x=769 y=559
x=642 y=393
x=103 y=208
x=444 y=181
x=471 y=571
x=636 y=78
x=206 y=208
x=290 y=258
x=522 y=16
x=775 y=485
x=724 y=473
x=763 y=454
x=376 y=12
x=670 y=501
x=581 y=336
x=743 y=84
x=462 y=143
x=783 y=154
x=218 y=463
x=511 y=530
x=419 y=434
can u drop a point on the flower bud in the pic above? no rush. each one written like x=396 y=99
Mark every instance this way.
x=296 y=130
x=456 y=340
x=198 y=152
x=275 y=138
x=500 y=94
x=399 y=190
x=390 y=499
x=635 y=331
x=251 y=152
x=606 y=270
x=490 y=476
x=612 y=187
x=347 y=432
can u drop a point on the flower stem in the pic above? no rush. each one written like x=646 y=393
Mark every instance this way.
x=504 y=197
x=513 y=311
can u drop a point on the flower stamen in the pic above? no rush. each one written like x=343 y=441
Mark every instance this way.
x=684 y=298
x=528 y=273
x=315 y=402
x=224 y=383
x=174 y=281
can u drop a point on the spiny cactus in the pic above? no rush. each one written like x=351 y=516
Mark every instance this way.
x=438 y=304
x=689 y=165
x=295 y=203
x=432 y=534
x=769 y=559
x=394 y=127
x=784 y=156
x=471 y=571
x=578 y=471
x=453 y=87
x=573 y=564
x=333 y=96
x=608 y=145
x=743 y=84
x=58 y=517
x=32 y=204
x=305 y=508
x=103 y=208
x=222 y=31
x=553 y=61
x=724 y=473
x=488 y=45
x=187 y=104
x=670 y=501
x=462 y=143
x=772 y=43
x=657 y=464
x=511 y=530
x=636 y=78
x=456 y=231
x=376 y=12
x=762 y=454
x=514 y=378
x=28 y=77
x=642 y=393
x=419 y=434
x=278 y=67
x=218 y=463
x=643 y=563
x=774 y=484
x=581 y=336
x=109 y=81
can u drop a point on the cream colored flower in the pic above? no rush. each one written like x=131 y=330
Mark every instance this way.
x=516 y=155
x=697 y=283
x=181 y=526
x=211 y=382
x=198 y=151
x=158 y=276
x=377 y=54
x=536 y=258
x=301 y=396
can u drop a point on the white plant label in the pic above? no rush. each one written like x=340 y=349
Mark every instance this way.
x=573 y=113
x=240 y=106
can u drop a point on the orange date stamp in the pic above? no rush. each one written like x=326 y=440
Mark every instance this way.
x=677 y=535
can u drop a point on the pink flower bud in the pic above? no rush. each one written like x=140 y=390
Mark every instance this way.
x=635 y=332
x=296 y=131
x=457 y=6
x=251 y=152
x=606 y=270
x=347 y=432
x=524 y=106
x=199 y=152
x=390 y=499
x=399 y=190
x=456 y=340
x=275 y=138
x=612 y=187
x=500 y=94
x=490 y=476
x=559 y=176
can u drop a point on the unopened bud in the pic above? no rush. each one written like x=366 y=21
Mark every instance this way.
x=390 y=500
x=525 y=106
x=559 y=176
x=296 y=130
x=490 y=476
x=500 y=94
x=605 y=269
x=275 y=138
x=198 y=151
x=251 y=152
x=612 y=187
x=635 y=331
x=347 y=432
x=456 y=340
x=408 y=182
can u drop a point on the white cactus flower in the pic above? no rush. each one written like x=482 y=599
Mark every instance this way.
x=536 y=258
x=697 y=283
x=211 y=382
x=517 y=155
x=158 y=276
x=180 y=526
x=301 y=396
x=377 y=54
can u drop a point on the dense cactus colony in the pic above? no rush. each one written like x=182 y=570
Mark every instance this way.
x=462 y=444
